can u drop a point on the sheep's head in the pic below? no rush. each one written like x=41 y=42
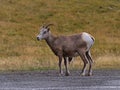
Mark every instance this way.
x=44 y=32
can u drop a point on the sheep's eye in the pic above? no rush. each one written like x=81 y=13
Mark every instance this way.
x=44 y=32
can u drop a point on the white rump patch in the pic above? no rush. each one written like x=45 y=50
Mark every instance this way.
x=88 y=39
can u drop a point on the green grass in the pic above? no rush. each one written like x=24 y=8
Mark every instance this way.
x=20 y=21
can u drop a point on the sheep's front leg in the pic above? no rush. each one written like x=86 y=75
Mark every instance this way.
x=67 y=73
x=60 y=68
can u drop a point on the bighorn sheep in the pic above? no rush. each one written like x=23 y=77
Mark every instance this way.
x=69 y=47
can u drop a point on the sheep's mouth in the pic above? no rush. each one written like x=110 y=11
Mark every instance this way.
x=38 y=38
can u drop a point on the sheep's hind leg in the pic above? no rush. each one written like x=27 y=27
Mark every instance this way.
x=85 y=65
x=85 y=61
x=90 y=63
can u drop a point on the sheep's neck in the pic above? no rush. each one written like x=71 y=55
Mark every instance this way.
x=50 y=40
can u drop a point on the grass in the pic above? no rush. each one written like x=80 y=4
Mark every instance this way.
x=107 y=62
x=20 y=22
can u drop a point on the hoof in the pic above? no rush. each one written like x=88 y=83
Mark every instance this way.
x=67 y=74
x=89 y=74
x=61 y=73
x=82 y=74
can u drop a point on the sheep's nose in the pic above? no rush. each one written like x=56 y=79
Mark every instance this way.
x=38 y=38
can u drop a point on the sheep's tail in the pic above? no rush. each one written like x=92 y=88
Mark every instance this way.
x=93 y=38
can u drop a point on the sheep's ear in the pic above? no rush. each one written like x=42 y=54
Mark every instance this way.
x=48 y=29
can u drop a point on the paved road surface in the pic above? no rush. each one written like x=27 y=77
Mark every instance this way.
x=50 y=80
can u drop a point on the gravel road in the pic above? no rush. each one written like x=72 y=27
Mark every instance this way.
x=50 y=80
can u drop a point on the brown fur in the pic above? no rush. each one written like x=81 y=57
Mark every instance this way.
x=66 y=46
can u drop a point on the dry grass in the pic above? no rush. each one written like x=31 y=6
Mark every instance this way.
x=20 y=21
x=31 y=63
x=107 y=62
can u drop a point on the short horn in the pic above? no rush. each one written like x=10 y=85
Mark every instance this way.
x=48 y=25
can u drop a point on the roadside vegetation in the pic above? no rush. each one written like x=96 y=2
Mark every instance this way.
x=20 y=21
